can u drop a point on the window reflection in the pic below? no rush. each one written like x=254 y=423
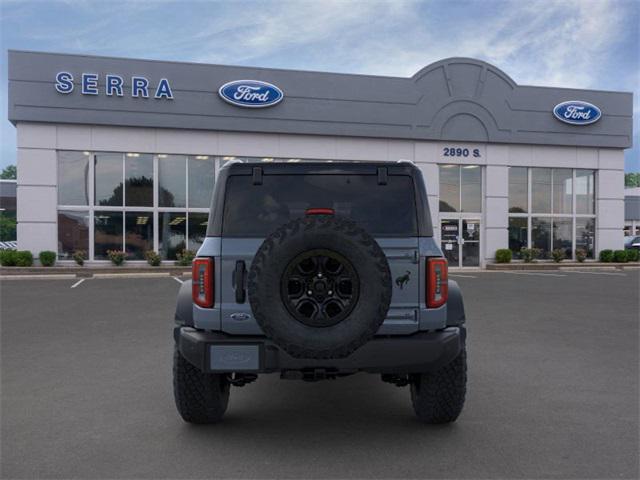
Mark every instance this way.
x=449 y=188
x=585 y=235
x=201 y=179
x=562 y=235
x=517 y=235
x=585 y=191
x=73 y=232
x=518 y=190
x=73 y=178
x=172 y=178
x=172 y=231
x=562 y=190
x=107 y=232
x=197 y=230
x=541 y=235
x=471 y=181
x=138 y=169
x=108 y=179
x=541 y=190
x=138 y=234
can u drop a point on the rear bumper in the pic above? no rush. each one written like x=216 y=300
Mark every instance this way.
x=420 y=352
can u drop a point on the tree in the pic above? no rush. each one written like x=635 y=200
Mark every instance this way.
x=632 y=179
x=9 y=172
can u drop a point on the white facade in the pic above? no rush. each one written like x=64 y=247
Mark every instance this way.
x=37 y=170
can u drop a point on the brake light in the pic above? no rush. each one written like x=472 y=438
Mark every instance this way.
x=319 y=211
x=437 y=282
x=202 y=282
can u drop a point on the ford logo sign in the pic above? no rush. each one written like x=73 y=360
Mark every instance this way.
x=250 y=93
x=577 y=112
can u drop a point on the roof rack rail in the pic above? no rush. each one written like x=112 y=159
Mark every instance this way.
x=406 y=160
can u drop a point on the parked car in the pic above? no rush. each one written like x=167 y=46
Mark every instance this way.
x=632 y=241
x=316 y=271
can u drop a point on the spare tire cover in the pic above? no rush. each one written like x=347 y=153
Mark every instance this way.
x=320 y=286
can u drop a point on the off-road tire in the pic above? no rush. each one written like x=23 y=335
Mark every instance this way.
x=339 y=235
x=438 y=397
x=200 y=397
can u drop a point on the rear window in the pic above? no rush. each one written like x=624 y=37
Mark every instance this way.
x=257 y=210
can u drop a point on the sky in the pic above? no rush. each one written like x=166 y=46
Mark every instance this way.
x=565 y=43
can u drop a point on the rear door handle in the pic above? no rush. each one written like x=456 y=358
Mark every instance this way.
x=238 y=281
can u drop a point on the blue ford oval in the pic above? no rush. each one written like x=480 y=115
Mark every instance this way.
x=250 y=93
x=577 y=112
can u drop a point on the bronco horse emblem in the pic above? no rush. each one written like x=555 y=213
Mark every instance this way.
x=402 y=280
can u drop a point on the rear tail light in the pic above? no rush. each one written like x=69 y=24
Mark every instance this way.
x=202 y=282
x=437 y=282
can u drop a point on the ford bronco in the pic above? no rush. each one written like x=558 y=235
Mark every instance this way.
x=318 y=271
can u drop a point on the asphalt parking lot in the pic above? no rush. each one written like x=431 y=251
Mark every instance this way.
x=552 y=393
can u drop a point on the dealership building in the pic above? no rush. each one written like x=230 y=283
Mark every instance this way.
x=117 y=153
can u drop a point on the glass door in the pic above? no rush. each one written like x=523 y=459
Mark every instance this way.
x=470 y=242
x=460 y=241
x=449 y=235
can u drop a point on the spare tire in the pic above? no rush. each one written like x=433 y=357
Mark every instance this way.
x=320 y=287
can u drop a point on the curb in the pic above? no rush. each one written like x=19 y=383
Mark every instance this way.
x=89 y=272
x=562 y=266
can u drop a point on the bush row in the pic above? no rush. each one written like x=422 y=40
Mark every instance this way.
x=24 y=258
x=504 y=255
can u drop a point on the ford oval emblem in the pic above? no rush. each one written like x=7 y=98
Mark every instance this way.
x=577 y=112
x=251 y=93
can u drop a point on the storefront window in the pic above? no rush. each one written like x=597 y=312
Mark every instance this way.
x=138 y=171
x=201 y=180
x=73 y=232
x=585 y=192
x=449 y=188
x=172 y=231
x=585 y=235
x=108 y=179
x=517 y=235
x=562 y=190
x=73 y=178
x=471 y=191
x=172 y=178
x=541 y=190
x=562 y=235
x=518 y=190
x=107 y=233
x=197 y=229
x=138 y=234
x=541 y=235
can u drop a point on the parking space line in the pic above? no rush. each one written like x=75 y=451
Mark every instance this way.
x=78 y=283
x=178 y=280
x=598 y=273
x=538 y=274
x=463 y=276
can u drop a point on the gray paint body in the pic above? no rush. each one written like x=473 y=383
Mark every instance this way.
x=457 y=99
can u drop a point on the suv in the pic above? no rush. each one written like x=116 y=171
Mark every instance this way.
x=318 y=271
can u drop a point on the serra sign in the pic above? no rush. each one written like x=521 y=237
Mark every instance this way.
x=113 y=85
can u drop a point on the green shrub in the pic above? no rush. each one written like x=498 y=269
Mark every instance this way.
x=153 y=258
x=47 y=258
x=620 y=256
x=117 y=257
x=503 y=255
x=8 y=258
x=185 y=257
x=558 y=255
x=80 y=256
x=581 y=254
x=24 y=258
x=633 y=255
x=526 y=254
x=606 y=256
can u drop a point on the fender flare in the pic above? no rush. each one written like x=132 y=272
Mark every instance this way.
x=455 y=306
x=184 y=305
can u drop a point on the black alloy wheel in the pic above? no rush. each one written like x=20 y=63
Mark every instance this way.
x=320 y=288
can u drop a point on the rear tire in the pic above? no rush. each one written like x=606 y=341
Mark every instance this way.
x=200 y=397
x=438 y=397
